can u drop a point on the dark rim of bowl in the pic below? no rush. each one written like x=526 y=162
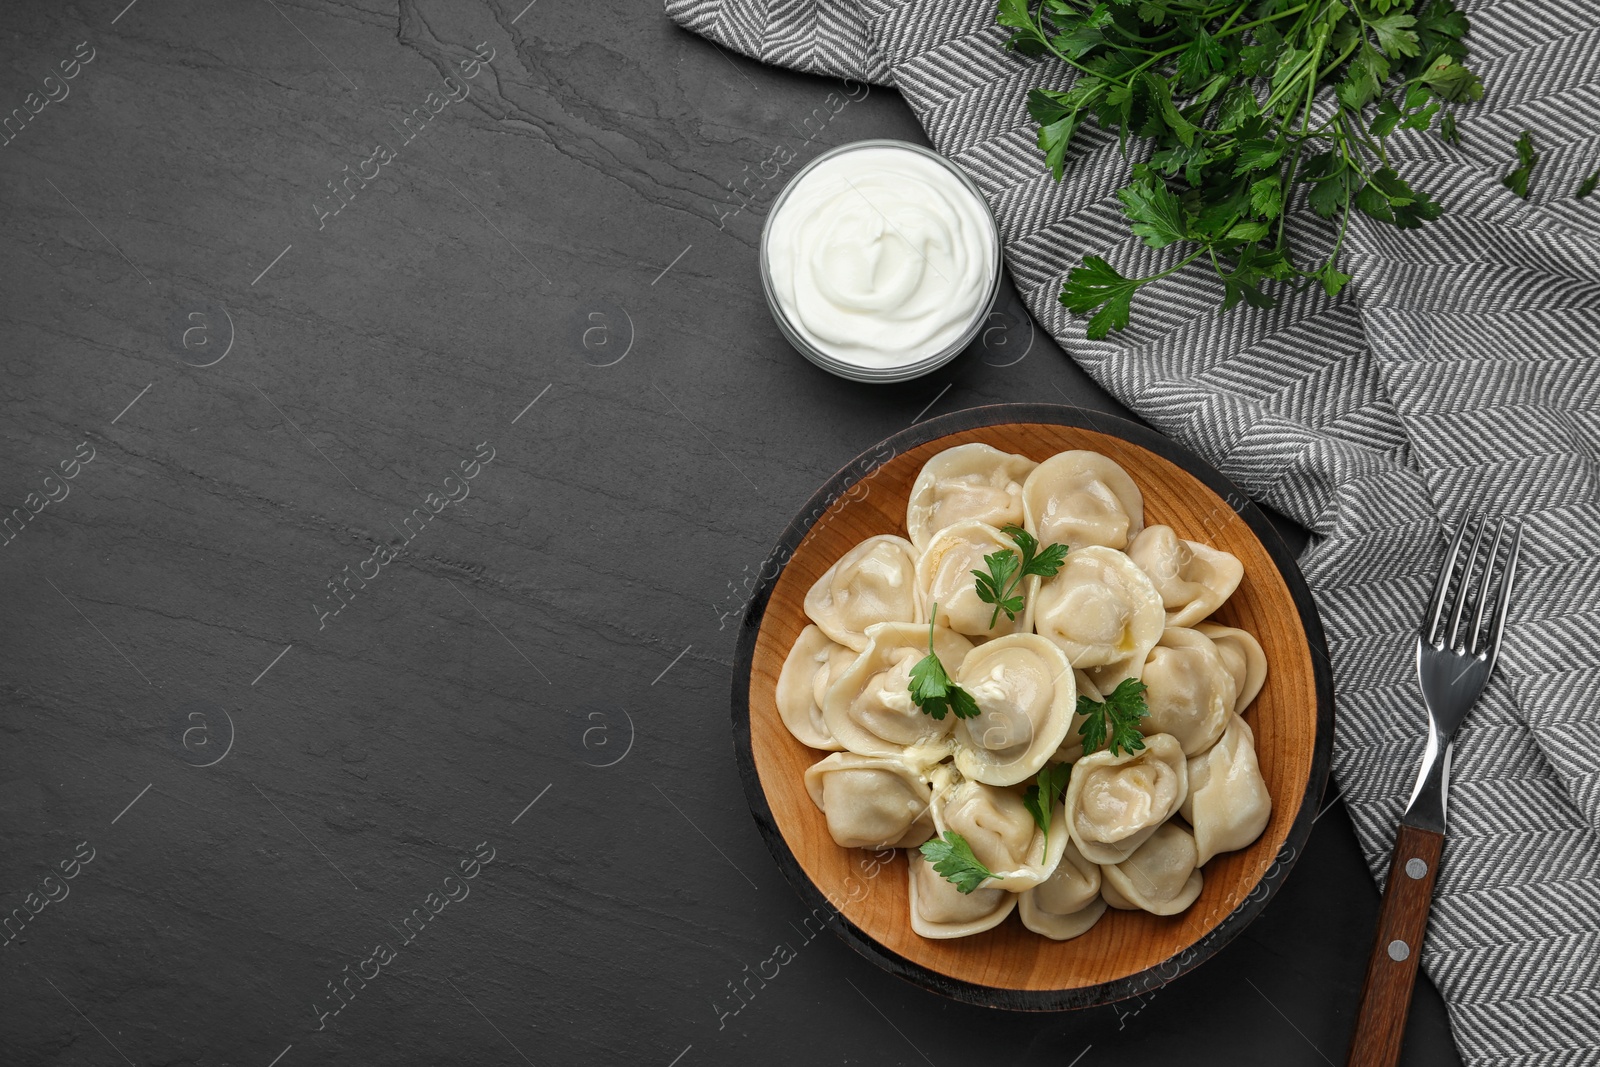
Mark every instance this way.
x=1041 y=999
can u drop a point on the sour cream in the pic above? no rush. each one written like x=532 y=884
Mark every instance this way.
x=881 y=257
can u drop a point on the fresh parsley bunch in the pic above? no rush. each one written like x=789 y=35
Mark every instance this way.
x=1228 y=94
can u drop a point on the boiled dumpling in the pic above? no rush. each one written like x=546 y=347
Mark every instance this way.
x=1242 y=655
x=1080 y=499
x=1193 y=579
x=1188 y=689
x=1072 y=745
x=1102 y=611
x=940 y=910
x=1001 y=832
x=1027 y=696
x=1162 y=876
x=868 y=708
x=945 y=577
x=967 y=482
x=1228 y=804
x=871 y=801
x=873 y=582
x=807 y=671
x=1066 y=904
x=1115 y=803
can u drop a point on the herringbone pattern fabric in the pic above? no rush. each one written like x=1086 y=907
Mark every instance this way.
x=1457 y=372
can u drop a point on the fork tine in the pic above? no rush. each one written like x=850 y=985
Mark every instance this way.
x=1479 y=639
x=1504 y=606
x=1430 y=622
x=1466 y=587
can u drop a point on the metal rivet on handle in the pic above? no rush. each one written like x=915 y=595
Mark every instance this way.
x=1398 y=951
x=1416 y=868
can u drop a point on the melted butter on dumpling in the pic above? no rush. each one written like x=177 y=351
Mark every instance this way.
x=1102 y=611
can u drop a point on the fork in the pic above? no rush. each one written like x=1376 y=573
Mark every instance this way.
x=1453 y=666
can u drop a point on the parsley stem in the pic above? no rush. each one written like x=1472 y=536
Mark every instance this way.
x=1311 y=83
x=1225 y=32
x=1288 y=183
x=1331 y=67
x=1005 y=594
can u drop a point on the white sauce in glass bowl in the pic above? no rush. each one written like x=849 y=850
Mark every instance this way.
x=881 y=256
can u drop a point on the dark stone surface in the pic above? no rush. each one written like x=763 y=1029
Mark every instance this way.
x=267 y=792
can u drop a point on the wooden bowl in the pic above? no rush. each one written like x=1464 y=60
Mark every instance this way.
x=863 y=895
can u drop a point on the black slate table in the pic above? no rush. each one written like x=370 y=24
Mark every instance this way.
x=393 y=422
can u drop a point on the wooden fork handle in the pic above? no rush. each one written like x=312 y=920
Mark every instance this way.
x=1397 y=949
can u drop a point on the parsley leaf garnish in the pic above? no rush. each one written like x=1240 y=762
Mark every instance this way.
x=999 y=585
x=1040 y=797
x=952 y=858
x=1517 y=180
x=1116 y=718
x=1098 y=283
x=1588 y=184
x=931 y=688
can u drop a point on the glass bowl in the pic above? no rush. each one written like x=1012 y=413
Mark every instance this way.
x=927 y=363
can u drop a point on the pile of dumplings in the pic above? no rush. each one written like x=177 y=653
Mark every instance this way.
x=1132 y=830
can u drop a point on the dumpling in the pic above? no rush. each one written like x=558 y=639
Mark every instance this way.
x=807 y=671
x=945 y=578
x=1001 y=832
x=1072 y=745
x=1241 y=654
x=940 y=910
x=1162 y=876
x=1193 y=579
x=1080 y=499
x=873 y=582
x=1114 y=803
x=1026 y=696
x=1102 y=611
x=1066 y=904
x=871 y=801
x=1189 y=690
x=967 y=482
x=868 y=708
x=1228 y=804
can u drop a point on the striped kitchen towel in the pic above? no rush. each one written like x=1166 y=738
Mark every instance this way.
x=1457 y=373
